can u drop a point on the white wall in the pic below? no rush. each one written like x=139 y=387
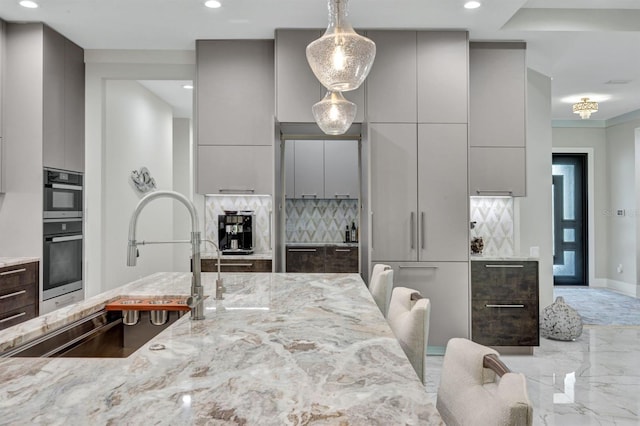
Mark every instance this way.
x=138 y=132
x=532 y=226
x=101 y=66
x=182 y=183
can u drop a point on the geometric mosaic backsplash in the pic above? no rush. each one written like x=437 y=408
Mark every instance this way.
x=319 y=220
x=494 y=223
x=261 y=205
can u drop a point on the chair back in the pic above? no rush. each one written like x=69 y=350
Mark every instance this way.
x=381 y=285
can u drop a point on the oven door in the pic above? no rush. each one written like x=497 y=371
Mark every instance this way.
x=62 y=201
x=62 y=265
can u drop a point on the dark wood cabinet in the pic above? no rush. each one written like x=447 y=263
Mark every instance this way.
x=18 y=294
x=236 y=265
x=322 y=259
x=505 y=305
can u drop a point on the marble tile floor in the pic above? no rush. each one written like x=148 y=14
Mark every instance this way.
x=594 y=380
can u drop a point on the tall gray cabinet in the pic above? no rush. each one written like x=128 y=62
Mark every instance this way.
x=235 y=116
x=2 y=61
x=419 y=201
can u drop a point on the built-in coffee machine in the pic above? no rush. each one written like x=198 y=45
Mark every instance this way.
x=235 y=232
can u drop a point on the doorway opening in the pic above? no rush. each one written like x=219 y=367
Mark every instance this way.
x=570 y=235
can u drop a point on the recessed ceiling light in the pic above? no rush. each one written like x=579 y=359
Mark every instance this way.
x=29 y=4
x=187 y=86
x=472 y=5
x=213 y=4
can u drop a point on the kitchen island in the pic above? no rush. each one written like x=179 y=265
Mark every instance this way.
x=279 y=349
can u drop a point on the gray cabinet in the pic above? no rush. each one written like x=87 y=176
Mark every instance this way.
x=341 y=173
x=63 y=102
x=289 y=168
x=497 y=171
x=233 y=169
x=446 y=284
x=235 y=94
x=2 y=62
x=392 y=81
x=297 y=88
x=309 y=169
x=442 y=63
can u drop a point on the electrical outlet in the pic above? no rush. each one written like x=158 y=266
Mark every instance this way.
x=620 y=212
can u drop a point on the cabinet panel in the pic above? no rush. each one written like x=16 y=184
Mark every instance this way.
x=341 y=259
x=497 y=87
x=2 y=65
x=235 y=169
x=53 y=110
x=392 y=84
x=18 y=294
x=497 y=171
x=235 y=93
x=289 y=168
x=496 y=323
x=504 y=280
x=74 y=84
x=442 y=192
x=16 y=316
x=442 y=76
x=309 y=169
x=341 y=174
x=394 y=191
x=446 y=284
x=305 y=259
x=239 y=265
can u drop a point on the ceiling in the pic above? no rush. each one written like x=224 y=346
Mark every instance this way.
x=588 y=47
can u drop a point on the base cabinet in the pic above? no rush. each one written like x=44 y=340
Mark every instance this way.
x=236 y=265
x=18 y=294
x=504 y=305
x=446 y=285
x=322 y=259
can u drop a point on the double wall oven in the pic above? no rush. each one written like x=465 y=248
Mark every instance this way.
x=62 y=239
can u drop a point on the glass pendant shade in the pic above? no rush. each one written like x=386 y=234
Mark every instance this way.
x=341 y=59
x=334 y=114
x=585 y=108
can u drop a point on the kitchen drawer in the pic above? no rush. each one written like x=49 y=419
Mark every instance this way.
x=504 y=280
x=18 y=276
x=236 y=265
x=341 y=259
x=16 y=316
x=500 y=323
x=17 y=297
x=305 y=259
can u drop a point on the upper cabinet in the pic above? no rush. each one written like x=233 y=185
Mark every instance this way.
x=63 y=102
x=497 y=114
x=235 y=95
x=309 y=169
x=297 y=88
x=341 y=173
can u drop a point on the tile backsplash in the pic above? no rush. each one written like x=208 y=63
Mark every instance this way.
x=494 y=223
x=319 y=221
x=261 y=205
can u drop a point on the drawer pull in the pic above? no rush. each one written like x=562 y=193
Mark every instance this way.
x=343 y=250
x=342 y=195
x=13 y=317
x=17 y=293
x=15 y=271
x=236 y=190
x=504 y=306
x=417 y=267
x=310 y=195
x=303 y=250
x=504 y=266
x=248 y=265
x=494 y=191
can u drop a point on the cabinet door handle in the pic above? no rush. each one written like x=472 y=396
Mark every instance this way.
x=17 y=293
x=309 y=195
x=237 y=191
x=343 y=250
x=342 y=195
x=494 y=191
x=504 y=306
x=504 y=266
x=417 y=267
x=412 y=231
x=248 y=265
x=15 y=271
x=422 y=229
x=372 y=229
x=301 y=250
x=13 y=317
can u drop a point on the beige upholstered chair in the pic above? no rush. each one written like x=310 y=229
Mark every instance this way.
x=408 y=317
x=380 y=286
x=476 y=388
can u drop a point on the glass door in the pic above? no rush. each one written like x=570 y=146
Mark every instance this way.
x=569 y=219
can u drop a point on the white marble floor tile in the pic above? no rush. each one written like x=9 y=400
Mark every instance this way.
x=594 y=380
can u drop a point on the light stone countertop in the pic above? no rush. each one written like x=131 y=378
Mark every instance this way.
x=13 y=261
x=279 y=349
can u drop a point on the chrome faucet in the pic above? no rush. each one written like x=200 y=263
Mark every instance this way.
x=196 y=300
x=219 y=285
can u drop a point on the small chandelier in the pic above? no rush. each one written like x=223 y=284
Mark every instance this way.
x=334 y=114
x=341 y=58
x=585 y=108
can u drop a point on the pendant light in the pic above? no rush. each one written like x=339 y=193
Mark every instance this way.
x=334 y=114
x=341 y=58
